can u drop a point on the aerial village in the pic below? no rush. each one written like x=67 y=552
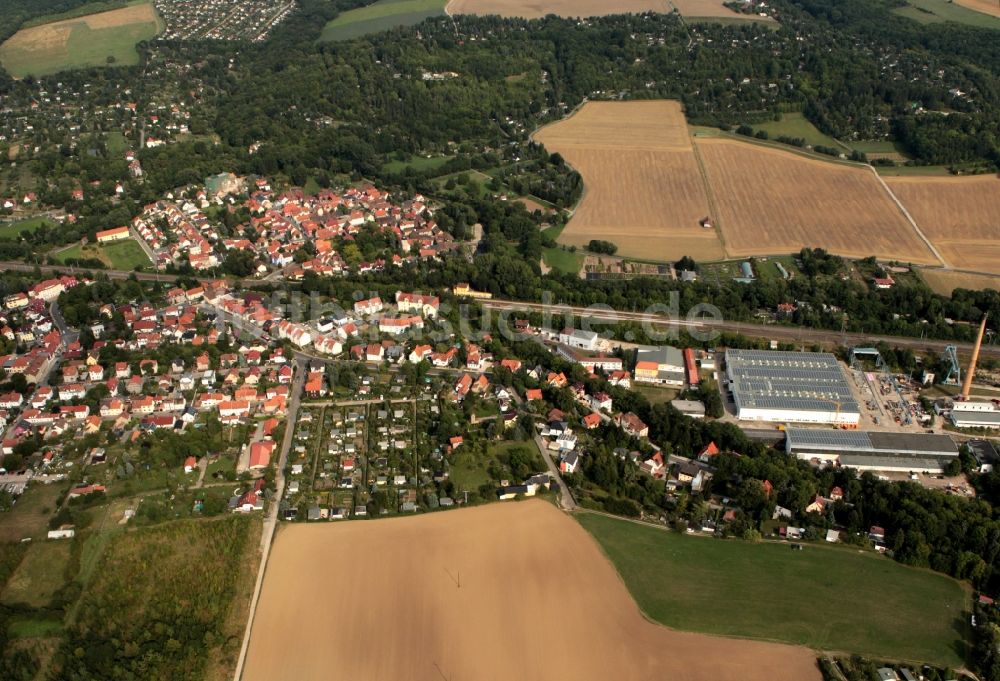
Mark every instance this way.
x=289 y=232
x=221 y=400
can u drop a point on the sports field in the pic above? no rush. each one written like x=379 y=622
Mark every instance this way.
x=82 y=41
x=960 y=216
x=828 y=598
x=380 y=16
x=119 y=255
x=772 y=201
x=502 y=591
x=644 y=190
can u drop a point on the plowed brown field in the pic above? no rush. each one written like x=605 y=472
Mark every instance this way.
x=773 y=201
x=505 y=591
x=960 y=216
x=644 y=190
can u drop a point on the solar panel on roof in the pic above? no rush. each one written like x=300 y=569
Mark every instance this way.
x=778 y=380
x=805 y=437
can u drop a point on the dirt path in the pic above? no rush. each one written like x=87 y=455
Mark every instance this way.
x=271 y=521
x=909 y=218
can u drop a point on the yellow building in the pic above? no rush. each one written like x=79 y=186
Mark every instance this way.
x=464 y=290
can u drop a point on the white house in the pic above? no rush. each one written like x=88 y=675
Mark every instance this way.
x=578 y=338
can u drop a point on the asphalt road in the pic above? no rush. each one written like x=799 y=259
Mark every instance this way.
x=566 y=500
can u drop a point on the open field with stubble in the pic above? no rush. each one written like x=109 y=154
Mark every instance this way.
x=990 y=7
x=773 y=201
x=81 y=41
x=831 y=598
x=644 y=190
x=945 y=281
x=650 y=179
x=516 y=590
x=536 y=9
x=960 y=216
x=715 y=9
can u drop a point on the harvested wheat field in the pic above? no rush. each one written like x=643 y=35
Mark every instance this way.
x=991 y=7
x=946 y=281
x=773 y=201
x=89 y=40
x=960 y=216
x=535 y=9
x=714 y=9
x=644 y=190
x=504 y=591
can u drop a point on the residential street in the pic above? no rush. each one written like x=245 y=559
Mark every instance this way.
x=271 y=519
x=566 y=500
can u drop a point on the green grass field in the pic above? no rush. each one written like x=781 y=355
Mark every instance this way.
x=81 y=11
x=418 y=163
x=912 y=170
x=31 y=513
x=562 y=260
x=936 y=11
x=828 y=598
x=468 y=470
x=797 y=125
x=116 y=143
x=381 y=16
x=767 y=269
x=120 y=255
x=72 y=43
x=40 y=575
x=656 y=394
x=12 y=230
x=878 y=147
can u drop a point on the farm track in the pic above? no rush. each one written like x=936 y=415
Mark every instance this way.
x=713 y=206
x=909 y=217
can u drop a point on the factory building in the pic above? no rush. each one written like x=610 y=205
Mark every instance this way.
x=790 y=387
x=872 y=451
x=975 y=415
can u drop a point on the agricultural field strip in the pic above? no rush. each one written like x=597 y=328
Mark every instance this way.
x=528 y=564
x=54 y=45
x=536 y=9
x=599 y=140
x=766 y=211
x=960 y=215
x=908 y=216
